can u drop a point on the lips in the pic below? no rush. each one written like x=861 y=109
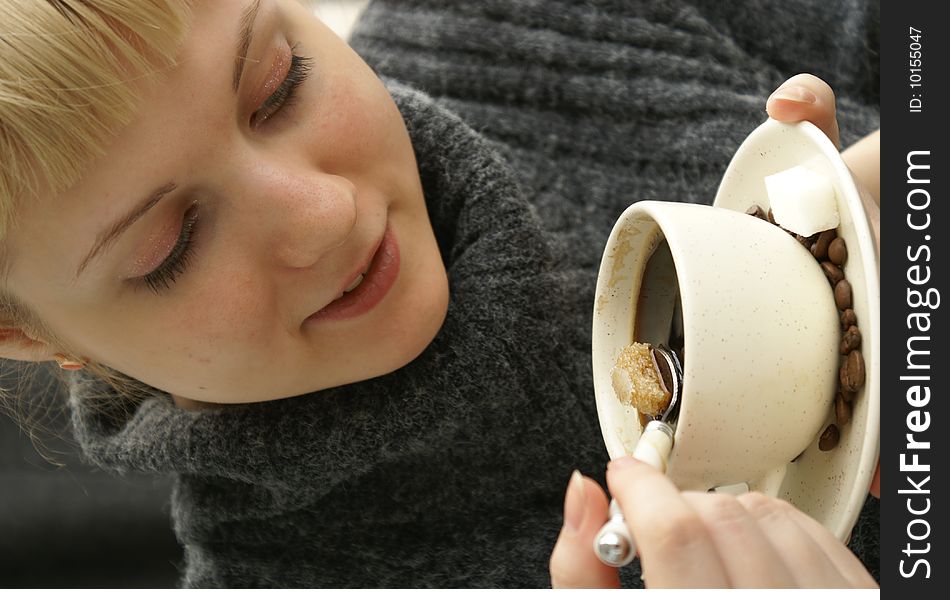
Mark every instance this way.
x=368 y=286
x=352 y=286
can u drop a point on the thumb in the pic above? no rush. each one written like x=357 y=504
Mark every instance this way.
x=805 y=97
x=573 y=562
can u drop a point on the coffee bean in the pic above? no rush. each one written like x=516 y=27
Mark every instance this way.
x=848 y=396
x=820 y=248
x=838 y=251
x=829 y=438
x=842 y=410
x=850 y=339
x=852 y=372
x=843 y=294
x=856 y=366
x=848 y=318
x=756 y=211
x=833 y=273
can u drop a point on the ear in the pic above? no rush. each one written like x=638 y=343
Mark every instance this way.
x=17 y=345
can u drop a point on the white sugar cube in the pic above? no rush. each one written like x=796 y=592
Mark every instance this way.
x=802 y=201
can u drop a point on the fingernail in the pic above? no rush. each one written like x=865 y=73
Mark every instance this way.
x=795 y=93
x=622 y=463
x=575 y=504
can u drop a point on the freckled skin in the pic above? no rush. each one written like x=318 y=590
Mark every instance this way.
x=286 y=213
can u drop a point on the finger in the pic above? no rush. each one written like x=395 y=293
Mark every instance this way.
x=864 y=161
x=749 y=558
x=876 y=481
x=573 y=562
x=839 y=554
x=805 y=97
x=873 y=213
x=675 y=548
x=805 y=559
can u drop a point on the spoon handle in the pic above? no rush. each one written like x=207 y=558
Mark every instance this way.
x=655 y=445
x=614 y=544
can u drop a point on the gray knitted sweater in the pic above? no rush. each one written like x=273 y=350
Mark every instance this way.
x=540 y=123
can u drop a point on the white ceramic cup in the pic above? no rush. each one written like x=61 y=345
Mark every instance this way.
x=760 y=331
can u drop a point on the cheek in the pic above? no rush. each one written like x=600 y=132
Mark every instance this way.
x=228 y=314
x=357 y=113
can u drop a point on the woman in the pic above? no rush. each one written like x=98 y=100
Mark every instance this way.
x=404 y=265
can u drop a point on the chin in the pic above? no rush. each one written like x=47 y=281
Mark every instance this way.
x=412 y=340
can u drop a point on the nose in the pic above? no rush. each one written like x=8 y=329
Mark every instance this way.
x=302 y=216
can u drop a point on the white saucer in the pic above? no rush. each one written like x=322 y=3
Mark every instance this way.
x=830 y=486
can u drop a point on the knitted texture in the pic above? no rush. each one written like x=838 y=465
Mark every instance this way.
x=602 y=103
x=540 y=122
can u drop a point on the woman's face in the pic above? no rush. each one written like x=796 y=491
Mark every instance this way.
x=265 y=201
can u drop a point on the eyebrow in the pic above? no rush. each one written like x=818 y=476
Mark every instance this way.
x=108 y=236
x=244 y=40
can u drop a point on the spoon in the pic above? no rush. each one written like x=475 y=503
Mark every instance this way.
x=614 y=544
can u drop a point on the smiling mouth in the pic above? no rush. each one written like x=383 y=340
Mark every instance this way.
x=352 y=286
x=368 y=288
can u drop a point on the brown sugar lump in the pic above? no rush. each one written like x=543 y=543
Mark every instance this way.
x=638 y=382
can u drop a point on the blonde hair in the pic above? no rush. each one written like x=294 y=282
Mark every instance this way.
x=65 y=73
x=67 y=85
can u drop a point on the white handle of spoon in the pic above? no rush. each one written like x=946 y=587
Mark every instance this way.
x=614 y=544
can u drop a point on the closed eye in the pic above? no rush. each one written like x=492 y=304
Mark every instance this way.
x=285 y=93
x=162 y=278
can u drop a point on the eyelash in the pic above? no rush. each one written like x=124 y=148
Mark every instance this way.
x=162 y=278
x=285 y=94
